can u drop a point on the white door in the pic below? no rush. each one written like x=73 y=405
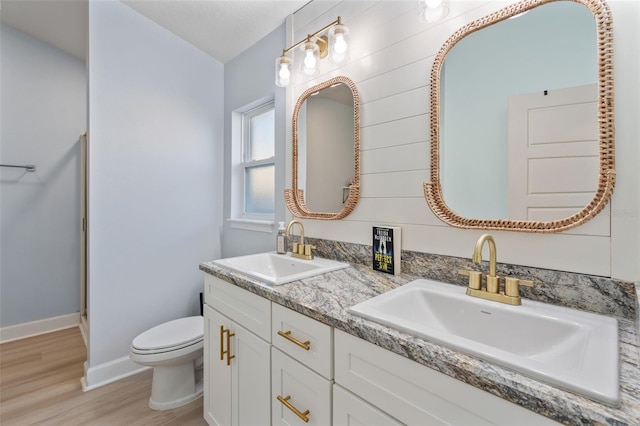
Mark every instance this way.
x=553 y=153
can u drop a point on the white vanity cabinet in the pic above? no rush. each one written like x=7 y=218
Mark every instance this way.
x=266 y=364
x=237 y=352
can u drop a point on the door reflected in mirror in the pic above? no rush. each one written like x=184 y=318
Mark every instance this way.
x=519 y=129
x=326 y=147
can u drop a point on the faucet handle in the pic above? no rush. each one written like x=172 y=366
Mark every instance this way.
x=475 y=278
x=512 y=286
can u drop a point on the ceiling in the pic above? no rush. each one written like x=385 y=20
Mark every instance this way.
x=221 y=28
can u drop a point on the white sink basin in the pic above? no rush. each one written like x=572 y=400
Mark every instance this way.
x=574 y=350
x=278 y=269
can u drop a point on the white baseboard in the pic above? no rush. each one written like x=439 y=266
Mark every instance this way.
x=34 y=328
x=109 y=372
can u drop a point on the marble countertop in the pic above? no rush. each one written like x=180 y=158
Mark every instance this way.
x=327 y=298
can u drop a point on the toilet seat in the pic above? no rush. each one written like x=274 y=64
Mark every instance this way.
x=138 y=351
x=170 y=336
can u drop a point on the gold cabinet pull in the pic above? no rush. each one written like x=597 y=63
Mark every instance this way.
x=287 y=335
x=221 y=342
x=297 y=412
x=229 y=356
x=227 y=351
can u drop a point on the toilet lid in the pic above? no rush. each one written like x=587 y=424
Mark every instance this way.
x=178 y=332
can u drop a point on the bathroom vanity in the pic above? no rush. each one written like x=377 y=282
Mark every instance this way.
x=311 y=359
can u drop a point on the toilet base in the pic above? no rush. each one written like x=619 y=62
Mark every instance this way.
x=175 y=385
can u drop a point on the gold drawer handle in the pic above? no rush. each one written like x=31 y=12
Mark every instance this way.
x=287 y=335
x=287 y=404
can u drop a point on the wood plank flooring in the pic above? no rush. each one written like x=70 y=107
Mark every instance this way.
x=40 y=385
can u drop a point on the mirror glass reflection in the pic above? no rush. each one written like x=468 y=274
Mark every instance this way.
x=326 y=148
x=518 y=117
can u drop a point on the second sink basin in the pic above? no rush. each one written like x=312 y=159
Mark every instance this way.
x=278 y=269
x=575 y=350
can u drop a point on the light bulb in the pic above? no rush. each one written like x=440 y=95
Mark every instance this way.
x=310 y=61
x=433 y=10
x=433 y=15
x=432 y=4
x=284 y=72
x=340 y=45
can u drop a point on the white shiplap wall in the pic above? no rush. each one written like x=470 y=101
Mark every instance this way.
x=390 y=61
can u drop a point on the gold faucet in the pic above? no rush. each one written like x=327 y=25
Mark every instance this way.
x=493 y=283
x=511 y=294
x=299 y=249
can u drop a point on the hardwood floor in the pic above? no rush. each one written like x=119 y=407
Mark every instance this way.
x=40 y=385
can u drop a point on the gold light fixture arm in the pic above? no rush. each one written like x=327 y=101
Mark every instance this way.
x=322 y=41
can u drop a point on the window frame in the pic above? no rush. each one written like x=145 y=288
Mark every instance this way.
x=241 y=144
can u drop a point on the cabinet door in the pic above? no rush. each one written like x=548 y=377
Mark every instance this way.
x=217 y=374
x=251 y=378
x=298 y=393
x=349 y=410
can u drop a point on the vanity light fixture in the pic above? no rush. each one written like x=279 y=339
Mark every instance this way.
x=335 y=45
x=433 y=10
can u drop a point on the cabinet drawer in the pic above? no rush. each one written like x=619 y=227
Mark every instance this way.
x=349 y=410
x=418 y=395
x=303 y=338
x=303 y=393
x=245 y=308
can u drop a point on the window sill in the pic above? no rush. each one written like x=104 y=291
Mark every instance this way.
x=252 y=225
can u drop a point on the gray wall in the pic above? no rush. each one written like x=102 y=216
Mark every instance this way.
x=155 y=208
x=249 y=78
x=43 y=114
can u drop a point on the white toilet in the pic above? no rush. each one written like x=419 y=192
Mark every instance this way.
x=174 y=350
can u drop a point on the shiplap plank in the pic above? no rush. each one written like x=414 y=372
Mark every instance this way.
x=398 y=132
x=402 y=79
x=551 y=251
x=402 y=105
x=393 y=185
x=413 y=156
x=401 y=210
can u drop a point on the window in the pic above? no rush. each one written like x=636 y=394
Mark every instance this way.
x=258 y=160
x=253 y=167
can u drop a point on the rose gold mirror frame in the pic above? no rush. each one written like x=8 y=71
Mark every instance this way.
x=606 y=179
x=294 y=197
